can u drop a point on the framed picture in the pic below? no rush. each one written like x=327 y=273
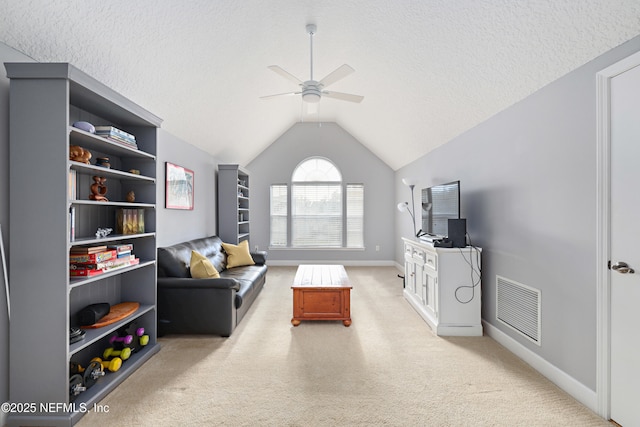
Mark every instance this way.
x=179 y=187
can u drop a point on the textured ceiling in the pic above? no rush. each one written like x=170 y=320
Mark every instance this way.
x=429 y=69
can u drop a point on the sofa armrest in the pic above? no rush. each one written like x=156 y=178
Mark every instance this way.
x=190 y=283
x=259 y=257
x=197 y=306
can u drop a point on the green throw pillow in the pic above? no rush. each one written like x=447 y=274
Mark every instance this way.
x=201 y=267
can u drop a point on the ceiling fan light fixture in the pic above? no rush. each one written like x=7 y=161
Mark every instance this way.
x=311 y=92
x=312 y=97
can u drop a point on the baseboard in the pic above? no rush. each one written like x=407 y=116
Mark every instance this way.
x=576 y=389
x=295 y=263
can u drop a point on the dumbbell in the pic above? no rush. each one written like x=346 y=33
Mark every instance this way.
x=90 y=374
x=113 y=365
x=144 y=340
x=76 y=385
x=126 y=340
x=124 y=354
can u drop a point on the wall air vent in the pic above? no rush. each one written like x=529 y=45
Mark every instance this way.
x=518 y=307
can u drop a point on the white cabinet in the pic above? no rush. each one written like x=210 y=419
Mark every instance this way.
x=45 y=186
x=443 y=286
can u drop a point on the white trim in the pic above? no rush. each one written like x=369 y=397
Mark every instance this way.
x=309 y=248
x=575 y=388
x=295 y=263
x=603 y=252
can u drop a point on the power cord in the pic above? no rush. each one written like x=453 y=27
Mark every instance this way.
x=474 y=281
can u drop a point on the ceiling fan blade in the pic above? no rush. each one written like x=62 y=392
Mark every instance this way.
x=343 y=96
x=287 y=75
x=280 y=94
x=339 y=73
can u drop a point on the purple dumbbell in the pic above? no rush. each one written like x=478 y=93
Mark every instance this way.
x=126 y=340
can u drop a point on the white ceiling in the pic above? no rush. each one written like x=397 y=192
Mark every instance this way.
x=429 y=69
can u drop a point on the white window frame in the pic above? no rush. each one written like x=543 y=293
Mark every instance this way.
x=351 y=232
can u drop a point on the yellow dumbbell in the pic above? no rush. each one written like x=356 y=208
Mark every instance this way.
x=123 y=354
x=113 y=365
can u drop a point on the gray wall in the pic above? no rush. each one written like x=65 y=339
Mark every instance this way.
x=176 y=225
x=528 y=178
x=357 y=164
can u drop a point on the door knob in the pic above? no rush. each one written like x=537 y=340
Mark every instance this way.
x=622 y=267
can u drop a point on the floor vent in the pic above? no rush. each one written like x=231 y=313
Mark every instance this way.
x=518 y=307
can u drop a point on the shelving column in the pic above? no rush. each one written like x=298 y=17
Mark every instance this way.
x=233 y=203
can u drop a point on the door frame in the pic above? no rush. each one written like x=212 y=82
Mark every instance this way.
x=603 y=238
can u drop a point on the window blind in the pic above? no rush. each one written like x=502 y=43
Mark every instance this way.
x=278 y=214
x=355 y=215
x=316 y=214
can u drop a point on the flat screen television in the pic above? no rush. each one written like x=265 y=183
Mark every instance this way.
x=439 y=204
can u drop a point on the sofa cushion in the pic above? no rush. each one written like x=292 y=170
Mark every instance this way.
x=174 y=261
x=201 y=267
x=238 y=255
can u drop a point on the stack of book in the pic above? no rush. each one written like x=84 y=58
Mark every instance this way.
x=92 y=261
x=117 y=135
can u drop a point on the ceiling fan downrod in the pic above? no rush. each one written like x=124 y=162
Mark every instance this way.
x=311 y=30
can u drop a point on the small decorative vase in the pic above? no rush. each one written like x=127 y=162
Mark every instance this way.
x=131 y=197
x=103 y=162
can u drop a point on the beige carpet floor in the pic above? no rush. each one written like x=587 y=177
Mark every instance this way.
x=387 y=369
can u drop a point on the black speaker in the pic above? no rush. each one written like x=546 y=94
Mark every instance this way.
x=458 y=232
x=92 y=313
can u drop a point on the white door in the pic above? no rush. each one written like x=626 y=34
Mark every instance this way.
x=625 y=248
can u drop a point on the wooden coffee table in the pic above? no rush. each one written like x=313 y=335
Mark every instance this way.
x=321 y=292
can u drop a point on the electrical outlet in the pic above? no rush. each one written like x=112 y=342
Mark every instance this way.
x=377 y=248
x=256 y=248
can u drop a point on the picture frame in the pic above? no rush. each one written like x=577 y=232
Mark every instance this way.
x=179 y=187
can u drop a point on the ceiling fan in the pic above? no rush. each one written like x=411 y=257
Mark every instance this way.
x=312 y=90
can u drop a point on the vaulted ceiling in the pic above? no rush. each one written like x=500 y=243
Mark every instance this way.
x=428 y=69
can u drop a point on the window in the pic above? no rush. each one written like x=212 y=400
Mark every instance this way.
x=319 y=211
x=355 y=215
x=278 y=210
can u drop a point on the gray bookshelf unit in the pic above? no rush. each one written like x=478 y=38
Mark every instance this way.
x=45 y=100
x=233 y=203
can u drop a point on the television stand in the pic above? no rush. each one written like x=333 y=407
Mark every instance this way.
x=441 y=288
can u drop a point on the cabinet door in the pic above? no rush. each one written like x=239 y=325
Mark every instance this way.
x=409 y=270
x=430 y=280
x=419 y=257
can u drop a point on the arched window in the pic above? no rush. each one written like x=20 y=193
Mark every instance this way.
x=316 y=204
x=316 y=169
x=320 y=211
